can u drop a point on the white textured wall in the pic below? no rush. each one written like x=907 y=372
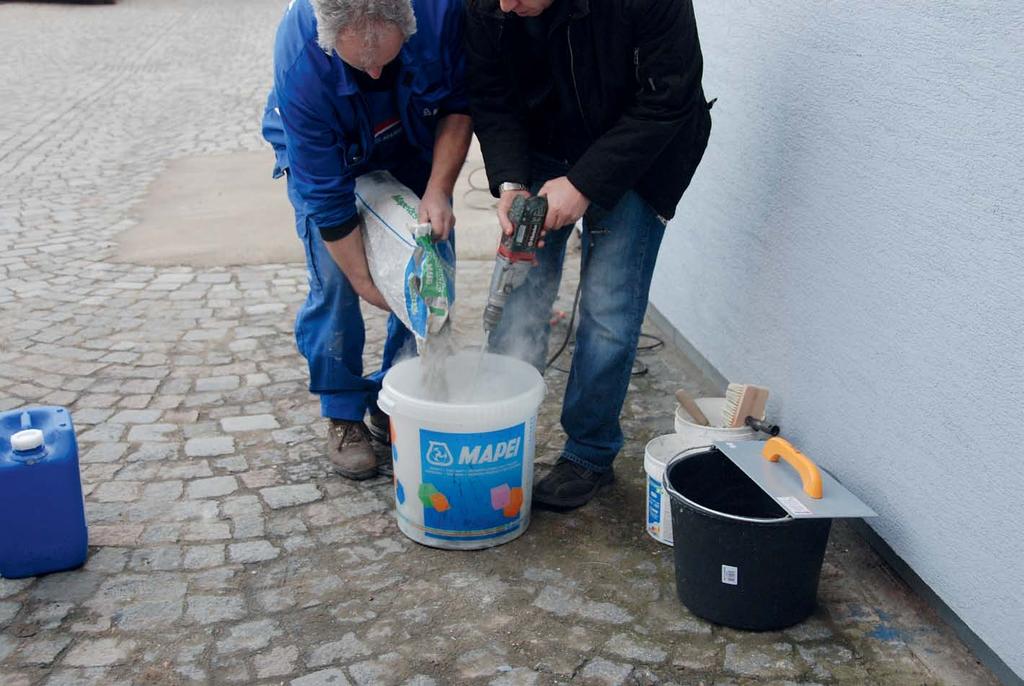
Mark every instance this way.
x=855 y=241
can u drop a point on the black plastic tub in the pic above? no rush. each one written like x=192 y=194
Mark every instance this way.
x=741 y=560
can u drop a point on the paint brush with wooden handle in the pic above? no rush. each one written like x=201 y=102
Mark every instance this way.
x=690 y=405
x=742 y=401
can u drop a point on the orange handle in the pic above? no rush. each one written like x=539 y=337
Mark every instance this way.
x=774 y=448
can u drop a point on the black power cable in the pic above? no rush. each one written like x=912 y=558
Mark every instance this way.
x=568 y=333
x=639 y=366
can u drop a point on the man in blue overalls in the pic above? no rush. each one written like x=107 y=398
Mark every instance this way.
x=359 y=86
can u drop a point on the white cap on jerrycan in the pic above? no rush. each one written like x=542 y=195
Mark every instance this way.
x=27 y=440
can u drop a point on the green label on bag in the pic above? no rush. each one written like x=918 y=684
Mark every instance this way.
x=432 y=281
x=429 y=283
x=404 y=204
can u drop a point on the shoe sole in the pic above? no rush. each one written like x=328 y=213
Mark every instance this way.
x=563 y=505
x=357 y=476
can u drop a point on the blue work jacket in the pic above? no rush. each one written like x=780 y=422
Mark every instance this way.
x=317 y=119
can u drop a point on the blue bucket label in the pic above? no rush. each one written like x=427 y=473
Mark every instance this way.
x=472 y=487
x=653 y=505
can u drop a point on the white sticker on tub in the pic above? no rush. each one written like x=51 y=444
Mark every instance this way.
x=793 y=505
x=730 y=575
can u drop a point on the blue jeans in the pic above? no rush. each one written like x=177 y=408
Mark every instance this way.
x=329 y=328
x=620 y=248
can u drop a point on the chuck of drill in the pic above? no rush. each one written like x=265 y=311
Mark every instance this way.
x=516 y=255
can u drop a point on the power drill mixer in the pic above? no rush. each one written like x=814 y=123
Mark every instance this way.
x=516 y=254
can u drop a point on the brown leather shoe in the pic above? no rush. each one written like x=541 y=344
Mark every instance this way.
x=349 y=449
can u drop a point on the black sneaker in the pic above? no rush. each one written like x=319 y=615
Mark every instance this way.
x=379 y=425
x=385 y=467
x=568 y=486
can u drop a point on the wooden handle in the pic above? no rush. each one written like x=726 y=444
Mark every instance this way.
x=774 y=448
x=690 y=406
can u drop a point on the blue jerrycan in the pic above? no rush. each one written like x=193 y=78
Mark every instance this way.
x=42 y=515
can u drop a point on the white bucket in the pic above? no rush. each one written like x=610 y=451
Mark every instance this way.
x=663 y=448
x=464 y=466
x=697 y=435
x=659 y=509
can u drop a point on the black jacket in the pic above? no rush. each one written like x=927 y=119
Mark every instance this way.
x=635 y=68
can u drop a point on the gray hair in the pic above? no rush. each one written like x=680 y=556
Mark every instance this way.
x=335 y=16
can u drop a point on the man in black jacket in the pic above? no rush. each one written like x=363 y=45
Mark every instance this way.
x=597 y=105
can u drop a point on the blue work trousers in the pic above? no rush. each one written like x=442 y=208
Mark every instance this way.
x=329 y=328
x=620 y=247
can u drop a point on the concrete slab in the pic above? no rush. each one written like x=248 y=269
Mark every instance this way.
x=213 y=211
x=225 y=210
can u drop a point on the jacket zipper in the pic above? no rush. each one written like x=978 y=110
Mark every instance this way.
x=572 y=71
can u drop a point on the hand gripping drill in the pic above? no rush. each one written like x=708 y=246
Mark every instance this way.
x=516 y=254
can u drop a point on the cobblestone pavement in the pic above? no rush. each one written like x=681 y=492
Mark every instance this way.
x=223 y=550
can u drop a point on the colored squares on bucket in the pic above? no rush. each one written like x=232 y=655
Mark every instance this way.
x=433 y=498
x=500 y=496
x=427 y=490
x=399 y=492
x=508 y=500
x=440 y=502
x=515 y=503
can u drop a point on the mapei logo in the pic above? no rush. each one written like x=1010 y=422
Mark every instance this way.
x=492 y=452
x=496 y=450
x=439 y=455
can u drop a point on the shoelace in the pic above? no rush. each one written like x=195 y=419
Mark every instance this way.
x=342 y=432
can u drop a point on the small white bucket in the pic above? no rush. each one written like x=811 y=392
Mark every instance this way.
x=697 y=435
x=663 y=448
x=464 y=466
x=659 y=509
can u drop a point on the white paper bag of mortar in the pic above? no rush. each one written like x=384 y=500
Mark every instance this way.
x=415 y=275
